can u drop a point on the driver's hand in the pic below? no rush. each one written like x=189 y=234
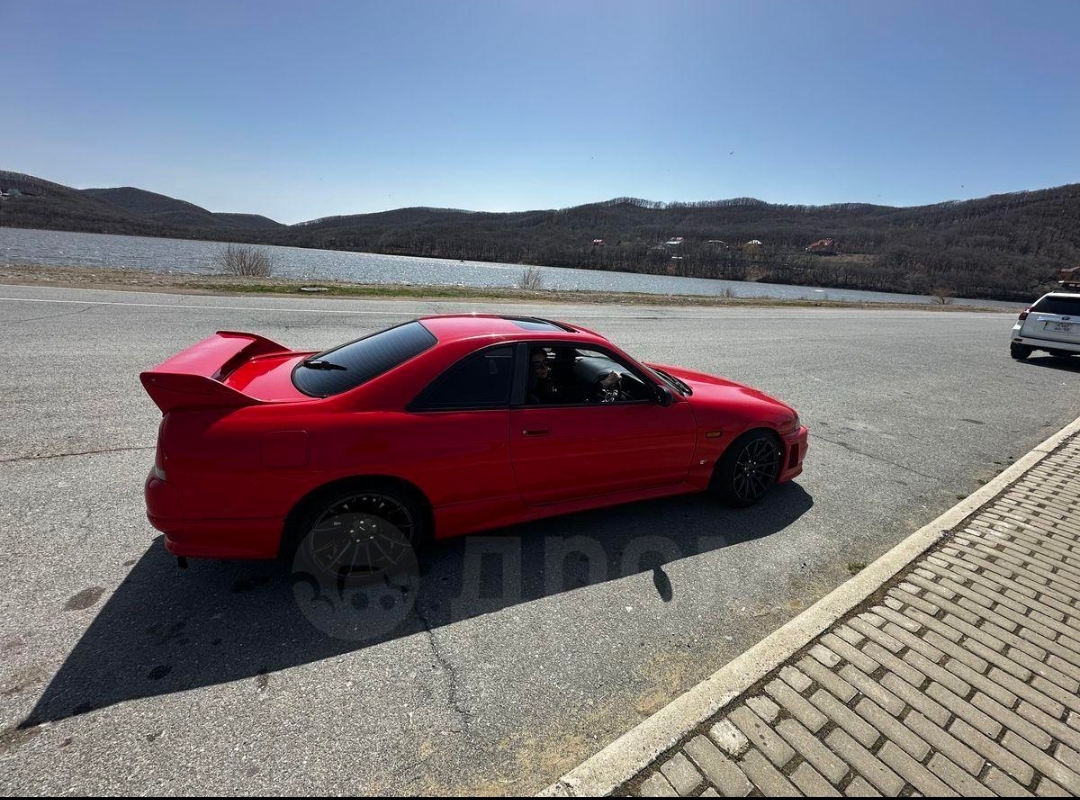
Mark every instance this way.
x=610 y=380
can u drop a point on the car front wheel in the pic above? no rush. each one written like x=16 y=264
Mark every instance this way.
x=748 y=469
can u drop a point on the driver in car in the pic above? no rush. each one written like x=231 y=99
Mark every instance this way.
x=543 y=390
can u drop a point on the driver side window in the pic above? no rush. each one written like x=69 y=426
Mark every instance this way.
x=607 y=379
x=565 y=375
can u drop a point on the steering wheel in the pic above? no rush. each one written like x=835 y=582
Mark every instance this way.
x=609 y=389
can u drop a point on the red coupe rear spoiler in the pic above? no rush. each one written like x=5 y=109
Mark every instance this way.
x=192 y=378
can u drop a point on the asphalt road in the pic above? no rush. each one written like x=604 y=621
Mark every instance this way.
x=515 y=665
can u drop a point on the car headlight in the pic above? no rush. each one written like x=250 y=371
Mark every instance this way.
x=792 y=426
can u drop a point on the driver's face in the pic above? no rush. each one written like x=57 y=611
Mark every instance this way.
x=540 y=365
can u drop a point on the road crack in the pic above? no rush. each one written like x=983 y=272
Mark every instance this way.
x=453 y=699
x=38 y=457
x=49 y=316
x=875 y=457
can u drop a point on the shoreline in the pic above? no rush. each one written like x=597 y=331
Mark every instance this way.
x=90 y=277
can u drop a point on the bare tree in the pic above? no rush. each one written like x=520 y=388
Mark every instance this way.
x=943 y=296
x=237 y=259
x=532 y=280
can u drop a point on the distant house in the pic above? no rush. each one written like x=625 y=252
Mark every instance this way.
x=822 y=247
x=674 y=241
x=754 y=244
x=598 y=242
x=718 y=243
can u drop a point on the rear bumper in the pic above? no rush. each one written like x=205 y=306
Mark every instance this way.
x=1045 y=344
x=795 y=447
x=208 y=538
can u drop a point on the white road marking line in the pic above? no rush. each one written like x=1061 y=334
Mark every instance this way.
x=389 y=312
x=184 y=307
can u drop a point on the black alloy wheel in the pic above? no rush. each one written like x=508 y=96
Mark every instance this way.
x=748 y=469
x=360 y=533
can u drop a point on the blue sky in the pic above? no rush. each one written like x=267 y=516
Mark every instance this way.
x=302 y=110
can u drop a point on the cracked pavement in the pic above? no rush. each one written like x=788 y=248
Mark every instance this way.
x=447 y=666
x=528 y=649
x=47 y=456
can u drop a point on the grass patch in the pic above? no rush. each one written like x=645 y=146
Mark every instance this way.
x=855 y=567
x=548 y=296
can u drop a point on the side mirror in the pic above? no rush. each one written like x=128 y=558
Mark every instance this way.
x=664 y=396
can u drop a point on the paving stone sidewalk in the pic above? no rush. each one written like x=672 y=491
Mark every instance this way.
x=960 y=676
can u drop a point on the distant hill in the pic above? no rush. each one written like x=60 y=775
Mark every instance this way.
x=171 y=212
x=255 y=222
x=44 y=204
x=1005 y=246
x=126 y=210
x=141 y=201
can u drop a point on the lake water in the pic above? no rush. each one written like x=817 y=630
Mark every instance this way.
x=33 y=247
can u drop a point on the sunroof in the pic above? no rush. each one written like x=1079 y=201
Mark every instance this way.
x=537 y=324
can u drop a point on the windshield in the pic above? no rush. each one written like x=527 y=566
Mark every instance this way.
x=671 y=381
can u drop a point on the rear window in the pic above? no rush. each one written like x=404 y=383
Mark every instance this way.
x=1069 y=306
x=355 y=363
x=479 y=381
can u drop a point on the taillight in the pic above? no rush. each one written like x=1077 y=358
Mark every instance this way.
x=1024 y=313
x=159 y=454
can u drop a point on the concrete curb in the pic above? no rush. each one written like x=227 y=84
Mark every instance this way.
x=624 y=758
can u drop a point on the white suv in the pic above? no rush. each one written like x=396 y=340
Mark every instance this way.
x=1052 y=324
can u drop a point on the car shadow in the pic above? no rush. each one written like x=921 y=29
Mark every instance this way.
x=168 y=630
x=1066 y=363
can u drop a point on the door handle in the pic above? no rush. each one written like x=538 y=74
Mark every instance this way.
x=536 y=432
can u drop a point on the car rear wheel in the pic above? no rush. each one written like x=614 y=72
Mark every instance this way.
x=360 y=530
x=748 y=469
x=1019 y=351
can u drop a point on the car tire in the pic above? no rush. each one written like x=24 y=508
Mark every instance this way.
x=357 y=529
x=748 y=469
x=1019 y=351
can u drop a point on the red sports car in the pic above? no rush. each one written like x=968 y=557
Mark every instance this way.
x=438 y=427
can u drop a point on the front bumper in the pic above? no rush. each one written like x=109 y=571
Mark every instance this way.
x=208 y=538
x=795 y=447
